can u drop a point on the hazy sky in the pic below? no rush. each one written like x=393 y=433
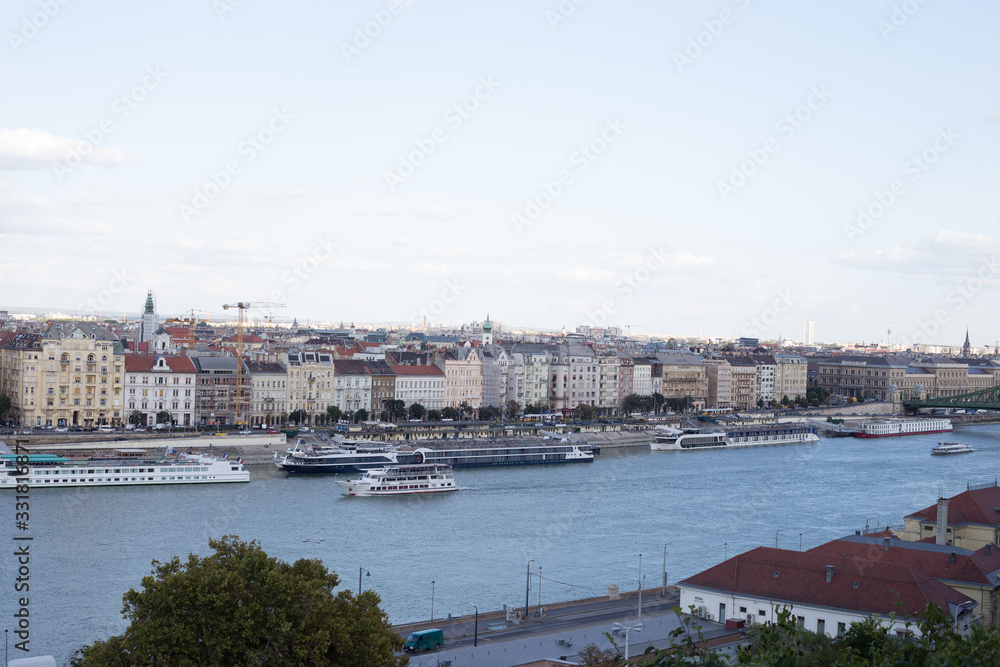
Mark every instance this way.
x=671 y=166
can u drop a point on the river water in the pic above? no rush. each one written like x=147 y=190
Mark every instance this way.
x=584 y=525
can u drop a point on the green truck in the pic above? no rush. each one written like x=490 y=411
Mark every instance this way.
x=424 y=640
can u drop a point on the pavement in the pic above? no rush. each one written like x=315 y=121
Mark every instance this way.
x=560 y=634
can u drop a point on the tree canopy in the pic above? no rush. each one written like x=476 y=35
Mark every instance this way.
x=238 y=606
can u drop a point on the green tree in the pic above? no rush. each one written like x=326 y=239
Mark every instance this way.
x=4 y=405
x=658 y=401
x=464 y=409
x=297 y=416
x=135 y=418
x=238 y=606
x=586 y=411
x=162 y=417
x=433 y=415
x=333 y=413
x=449 y=413
x=513 y=409
x=361 y=415
x=396 y=409
x=417 y=411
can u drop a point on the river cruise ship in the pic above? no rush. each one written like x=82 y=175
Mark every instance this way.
x=884 y=428
x=125 y=468
x=342 y=456
x=669 y=439
x=401 y=480
x=516 y=455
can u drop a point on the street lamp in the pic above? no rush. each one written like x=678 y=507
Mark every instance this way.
x=313 y=545
x=539 y=589
x=621 y=627
x=475 y=636
x=365 y=572
x=725 y=546
x=432 y=600
x=776 y=538
x=639 y=617
x=663 y=590
x=527 y=586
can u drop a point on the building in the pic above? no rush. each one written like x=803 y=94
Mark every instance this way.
x=217 y=401
x=310 y=384
x=160 y=383
x=72 y=374
x=420 y=384
x=767 y=369
x=534 y=360
x=790 y=377
x=607 y=383
x=463 y=370
x=685 y=377
x=720 y=381
x=970 y=520
x=743 y=389
x=268 y=393
x=495 y=362
x=573 y=373
x=809 y=336
x=642 y=376
x=383 y=385
x=352 y=386
x=150 y=322
x=826 y=592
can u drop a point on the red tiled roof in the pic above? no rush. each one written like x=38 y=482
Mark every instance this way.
x=973 y=568
x=143 y=363
x=416 y=370
x=801 y=578
x=977 y=506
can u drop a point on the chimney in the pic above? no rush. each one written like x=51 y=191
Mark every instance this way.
x=941 y=535
x=887 y=540
x=829 y=573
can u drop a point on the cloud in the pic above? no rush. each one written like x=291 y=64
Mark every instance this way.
x=34 y=149
x=949 y=252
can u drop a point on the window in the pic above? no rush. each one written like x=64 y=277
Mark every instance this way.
x=801 y=621
x=820 y=626
x=841 y=629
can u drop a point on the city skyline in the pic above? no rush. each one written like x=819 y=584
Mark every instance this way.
x=734 y=169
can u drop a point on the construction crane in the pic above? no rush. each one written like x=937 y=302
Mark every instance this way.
x=242 y=307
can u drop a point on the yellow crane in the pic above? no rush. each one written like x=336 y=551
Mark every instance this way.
x=242 y=307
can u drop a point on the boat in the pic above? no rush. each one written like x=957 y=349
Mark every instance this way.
x=951 y=448
x=124 y=468
x=522 y=454
x=883 y=428
x=401 y=480
x=668 y=438
x=342 y=456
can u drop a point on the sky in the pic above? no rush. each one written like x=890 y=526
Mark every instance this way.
x=728 y=168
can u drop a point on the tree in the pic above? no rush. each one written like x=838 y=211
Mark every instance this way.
x=658 y=401
x=449 y=413
x=463 y=409
x=489 y=413
x=433 y=415
x=297 y=416
x=4 y=405
x=396 y=409
x=238 y=606
x=360 y=415
x=333 y=413
x=162 y=417
x=513 y=409
x=135 y=418
x=586 y=411
x=417 y=411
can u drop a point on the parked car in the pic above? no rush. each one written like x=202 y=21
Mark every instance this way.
x=246 y=432
x=139 y=429
x=272 y=431
x=61 y=429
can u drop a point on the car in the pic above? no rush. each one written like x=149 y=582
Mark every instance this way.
x=304 y=429
x=272 y=431
x=61 y=429
x=25 y=431
x=219 y=433
x=244 y=432
x=139 y=429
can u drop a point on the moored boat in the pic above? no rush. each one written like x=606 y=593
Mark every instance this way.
x=401 y=480
x=676 y=439
x=126 y=468
x=883 y=428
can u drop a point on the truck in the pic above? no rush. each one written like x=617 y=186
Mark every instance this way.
x=424 y=640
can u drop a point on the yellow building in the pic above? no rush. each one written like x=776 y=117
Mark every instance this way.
x=969 y=520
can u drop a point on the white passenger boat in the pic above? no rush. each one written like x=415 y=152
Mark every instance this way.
x=883 y=428
x=125 y=468
x=676 y=439
x=401 y=480
x=951 y=448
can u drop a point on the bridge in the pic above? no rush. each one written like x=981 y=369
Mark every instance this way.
x=984 y=399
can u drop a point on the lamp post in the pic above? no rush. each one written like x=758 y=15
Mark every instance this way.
x=725 y=546
x=475 y=635
x=776 y=538
x=527 y=587
x=663 y=589
x=800 y=541
x=432 y=600
x=313 y=545
x=639 y=581
x=621 y=627
x=539 y=589
x=365 y=572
